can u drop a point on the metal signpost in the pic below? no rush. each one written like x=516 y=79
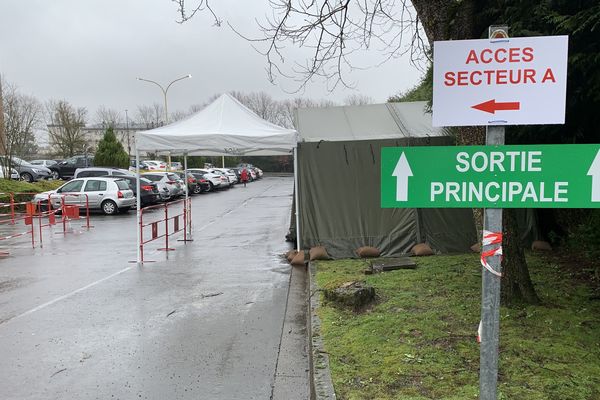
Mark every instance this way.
x=494 y=83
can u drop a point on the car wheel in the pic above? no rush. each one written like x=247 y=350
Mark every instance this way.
x=55 y=175
x=109 y=207
x=211 y=187
x=197 y=189
x=26 y=176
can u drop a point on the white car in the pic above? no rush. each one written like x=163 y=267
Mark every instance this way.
x=213 y=179
x=225 y=182
x=109 y=195
x=230 y=174
x=13 y=174
x=154 y=165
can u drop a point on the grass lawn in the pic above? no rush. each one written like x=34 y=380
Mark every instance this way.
x=11 y=186
x=419 y=340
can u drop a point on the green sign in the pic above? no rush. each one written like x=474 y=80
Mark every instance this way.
x=536 y=176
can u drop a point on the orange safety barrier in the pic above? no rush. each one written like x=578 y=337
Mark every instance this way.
x=71 y=211
x=31 y=210
x=169 y=228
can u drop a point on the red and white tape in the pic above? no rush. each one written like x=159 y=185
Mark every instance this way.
x=491 y=238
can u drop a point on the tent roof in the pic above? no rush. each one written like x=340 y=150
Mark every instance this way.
x=366 y=122
x=225 y=127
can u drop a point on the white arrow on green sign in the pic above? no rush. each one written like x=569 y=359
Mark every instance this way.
x=535 y=176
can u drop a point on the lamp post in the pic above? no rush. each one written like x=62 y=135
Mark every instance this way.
x=165 y=97
x=127 y=133
x=165 y=91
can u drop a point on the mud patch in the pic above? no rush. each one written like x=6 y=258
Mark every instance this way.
x=7 y=284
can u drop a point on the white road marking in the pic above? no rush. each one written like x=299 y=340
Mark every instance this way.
x=66 y=296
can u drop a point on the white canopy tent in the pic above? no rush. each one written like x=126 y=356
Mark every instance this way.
x=224 y=128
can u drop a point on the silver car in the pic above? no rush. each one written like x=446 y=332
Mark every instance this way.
x=168 y=184
x=106 y=194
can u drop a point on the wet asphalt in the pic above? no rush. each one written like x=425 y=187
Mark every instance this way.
x=78 y=320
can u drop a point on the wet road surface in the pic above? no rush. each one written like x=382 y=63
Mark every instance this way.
x=79 y=321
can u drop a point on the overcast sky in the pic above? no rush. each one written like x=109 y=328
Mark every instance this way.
x=89 y=52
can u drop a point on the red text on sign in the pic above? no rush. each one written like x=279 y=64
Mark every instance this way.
x=497 y=77
x=501 y=55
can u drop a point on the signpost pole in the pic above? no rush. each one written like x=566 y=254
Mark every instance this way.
x=490 y=293
x=490 y=282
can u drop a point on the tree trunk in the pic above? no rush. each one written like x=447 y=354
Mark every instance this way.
x=446 y=20
x=516 y=283
x=2 y=133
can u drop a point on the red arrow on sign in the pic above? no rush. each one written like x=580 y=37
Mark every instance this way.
x=491 y=106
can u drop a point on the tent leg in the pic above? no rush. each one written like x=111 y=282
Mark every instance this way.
x=138 y=205
x=188 y=222
x=297 y=189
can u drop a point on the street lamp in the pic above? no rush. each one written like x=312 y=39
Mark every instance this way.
x=165 y=98
x=165 y=91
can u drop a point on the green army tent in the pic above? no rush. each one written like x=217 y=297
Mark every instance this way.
x=338 y=201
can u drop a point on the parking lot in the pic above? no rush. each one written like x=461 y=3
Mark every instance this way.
x=79 y=320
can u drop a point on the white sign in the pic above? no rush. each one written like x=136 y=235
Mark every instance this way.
x=515 y=81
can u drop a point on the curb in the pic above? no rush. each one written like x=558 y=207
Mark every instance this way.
x=321 y=385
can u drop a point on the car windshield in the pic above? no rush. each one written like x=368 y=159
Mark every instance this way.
x=18 y=161
x=145 y=181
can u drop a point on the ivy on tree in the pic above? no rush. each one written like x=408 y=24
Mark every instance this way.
x=110 y=152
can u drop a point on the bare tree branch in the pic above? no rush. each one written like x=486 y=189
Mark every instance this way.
x=65 y=129
x=200 y=6
x=334 y=31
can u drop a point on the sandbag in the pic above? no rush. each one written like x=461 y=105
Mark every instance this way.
x=367 y=252
x=298 y=259
x=291 y=254
x=318 y=253
x=541 y=245
x=422 y=249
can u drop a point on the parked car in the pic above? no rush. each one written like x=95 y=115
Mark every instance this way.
x=214 y=180
x=203 y=185
x=14 y=175
x=149 y=193
x=43 y=163
x=100 y=171
x=225 y=182
x=176 y=166
x=153 y=165
x=233 y=179
x=109 y=195
x=167 y=182
x=66 y=169
x=143 y=165
x=28 y=172
x=192 y=182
